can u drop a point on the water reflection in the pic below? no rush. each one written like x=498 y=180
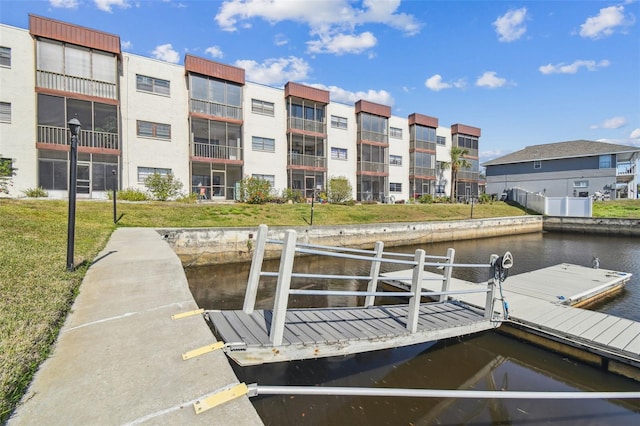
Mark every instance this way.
x=485 y=362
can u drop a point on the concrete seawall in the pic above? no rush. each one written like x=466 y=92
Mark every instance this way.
x=196 y=247
x=586 y=225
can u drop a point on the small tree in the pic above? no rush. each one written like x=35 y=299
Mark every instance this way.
x=7 y=171
x=457 y=162
x=163 y=187
x=339 y=190
x=255 y=190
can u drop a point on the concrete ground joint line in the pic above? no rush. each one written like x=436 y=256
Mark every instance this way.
x=150 y=416
x=125 y=315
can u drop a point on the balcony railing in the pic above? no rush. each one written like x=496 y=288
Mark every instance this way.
x=468 y=175
x=423 y=145
x=307 y=160
x=625 y=169
x=422 y=171
x=68 y=83
x=368 y=166
x=86 y=138
x=207 y=150
x=364 y=135
x=215 y=109
x=307 y=125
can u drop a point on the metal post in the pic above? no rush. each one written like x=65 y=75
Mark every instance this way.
x=281 y=298
x=74 y=127
x=374 y=273
x=416 y=289
x=115 y=188
x=256 y=268
x=312 y=200
x=446 y=274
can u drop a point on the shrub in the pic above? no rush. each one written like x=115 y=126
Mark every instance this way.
x=293 y=195
x=191 y=197
x=7 y=171
x=36 y=193
x=254 y=190
x=484 y=198
x=339 y=190
x=425 y=199
x=163 y=187
x=131 y=194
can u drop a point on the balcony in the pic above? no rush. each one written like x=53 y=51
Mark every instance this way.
x=431 y=146
x=314 y=161
x=422 y=171
x=307 y=125
x=468 y=175
x=365 y=135
x=86 y=138
x=223 y=152
x=68 y=83
x=215 y=109
x=373 y=167
x=625 y=172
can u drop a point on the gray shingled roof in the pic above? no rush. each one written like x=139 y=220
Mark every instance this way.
x=570 y=149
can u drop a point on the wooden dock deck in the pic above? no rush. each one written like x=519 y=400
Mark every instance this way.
x=542 y=309
x=281 y=334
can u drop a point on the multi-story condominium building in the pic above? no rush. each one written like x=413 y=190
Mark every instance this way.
x=203 y=123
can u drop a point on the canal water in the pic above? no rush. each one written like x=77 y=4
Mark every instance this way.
x=488 y=361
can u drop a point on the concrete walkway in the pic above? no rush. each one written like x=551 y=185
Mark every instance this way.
x=118 y=358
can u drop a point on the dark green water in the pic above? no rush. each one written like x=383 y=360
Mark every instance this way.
x=483 y=362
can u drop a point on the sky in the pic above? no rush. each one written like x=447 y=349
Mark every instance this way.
x=524 y=72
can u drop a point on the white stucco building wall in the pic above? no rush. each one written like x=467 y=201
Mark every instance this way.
x=342 y=139
x=399 y=147
x=172 y=109
x=17 y=88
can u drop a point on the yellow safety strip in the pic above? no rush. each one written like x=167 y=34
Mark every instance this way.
x=203 y=350
x=187 y=314
x=220 y=397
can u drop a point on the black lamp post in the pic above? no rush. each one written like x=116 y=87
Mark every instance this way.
x=115 y=188
x=74 y=128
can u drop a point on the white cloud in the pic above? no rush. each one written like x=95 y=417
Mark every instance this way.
x=491 y=80
x=605 y=23
x=342 y=43
x=510 y=26
x=165 y=52
x=106 y=5
x=635 y=134
x=214 y=51
x=344 y=96
x=126 y=45
x=574 y=67
x=331 y=23
x=65 y=4
x=275 y=71
x=280 y=39
x=613 y=123
x=436 y=84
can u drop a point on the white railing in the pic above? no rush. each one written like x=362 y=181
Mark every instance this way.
x=416 y=262
x=207 y=150
x=625 y=169
x=553 y=206
x=86 y=138
x=69 y=83
x=307 y=160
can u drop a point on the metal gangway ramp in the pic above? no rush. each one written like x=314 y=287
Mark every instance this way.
x=253 y=336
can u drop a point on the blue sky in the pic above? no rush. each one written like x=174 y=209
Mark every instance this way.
x=525 y=72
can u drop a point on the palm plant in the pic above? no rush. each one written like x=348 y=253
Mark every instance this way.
x=457 y=162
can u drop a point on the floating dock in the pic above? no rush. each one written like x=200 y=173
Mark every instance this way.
x=253 y=336
x=542 y=308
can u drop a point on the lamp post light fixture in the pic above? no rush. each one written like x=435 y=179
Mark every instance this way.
x=74 y=128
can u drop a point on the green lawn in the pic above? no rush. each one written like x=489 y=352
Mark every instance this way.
x=37 y=291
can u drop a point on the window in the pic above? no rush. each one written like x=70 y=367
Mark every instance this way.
x=262 y=107
x=5 y=112
x=152 y=85
x=269 y=178
x=395 y=187
x=153 y=130
x=144 y=172
x=441 y=140
x=395 y=160
x=5 y=56
x=537 y=164
x=339 y=153
x=605 y=162
x=338 y=122
x=394 y=132
x=263 y=144
x=580 y=183
x=52 y=169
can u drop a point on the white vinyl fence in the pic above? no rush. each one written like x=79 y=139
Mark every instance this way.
x=553 y=206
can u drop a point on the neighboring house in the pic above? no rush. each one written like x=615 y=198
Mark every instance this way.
x=203 y=123
x=575 y=169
